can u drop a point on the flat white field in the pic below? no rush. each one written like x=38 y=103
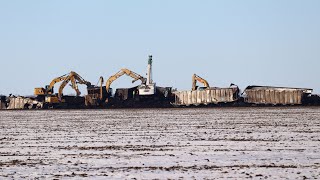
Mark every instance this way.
x=235 y=143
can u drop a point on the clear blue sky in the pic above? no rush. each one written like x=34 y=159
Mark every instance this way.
x=265 y=42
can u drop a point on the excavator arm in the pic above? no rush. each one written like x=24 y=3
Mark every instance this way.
x=101 y=88
x=113 y=78
x=79 y=79
x=122 y=72
x=62 y=86
x=49 y=88
x=196 y=78
x=75 y=80
x=54 y=81
x=134 y=75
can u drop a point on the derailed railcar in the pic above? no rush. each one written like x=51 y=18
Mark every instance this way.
x=269 y=95
x=24 y=103
x=206 y=97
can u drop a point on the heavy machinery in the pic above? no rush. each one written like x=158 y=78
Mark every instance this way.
x=122 y=72
x=48 y=90
x=47 y=94
x=195 y=79
x=98 y=95
x=75 y=80
x=147 y=94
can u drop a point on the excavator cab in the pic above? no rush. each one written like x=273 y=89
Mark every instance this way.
x=43 y=91
x=49 y=90
x=39 y=91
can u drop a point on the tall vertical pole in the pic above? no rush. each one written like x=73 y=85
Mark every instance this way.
x=149 y=71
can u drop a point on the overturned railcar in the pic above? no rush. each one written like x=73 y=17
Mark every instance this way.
x=206 y=96
x=268 y=95
x=24 y=103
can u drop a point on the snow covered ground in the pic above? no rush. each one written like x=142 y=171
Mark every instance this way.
x=236 y=143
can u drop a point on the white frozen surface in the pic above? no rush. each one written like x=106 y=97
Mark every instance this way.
x=235 y=143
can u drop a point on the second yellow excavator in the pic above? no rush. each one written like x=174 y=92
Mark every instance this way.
x=98 y=95
x=122 y=72
x=75 y=80
x=196 y=78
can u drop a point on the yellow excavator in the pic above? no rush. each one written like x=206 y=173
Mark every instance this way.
x=122 y=72
x=46 y=94
x=195 y=79
x=75 y=80
x=48 y=90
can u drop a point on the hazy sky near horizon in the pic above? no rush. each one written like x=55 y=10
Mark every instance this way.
x=248 y=42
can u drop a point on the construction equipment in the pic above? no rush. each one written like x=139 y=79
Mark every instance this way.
x=47 y=94
x=196 y=78
x=148 y=88
x=49 y=88
x=75 y=80
x=122 y=72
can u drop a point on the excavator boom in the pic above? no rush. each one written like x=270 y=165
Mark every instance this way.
x=49 y=88
x=54 y=81
x=122 y=72
x=75 y=80
x=196 y=78
x=101 y=88
x=72 y=76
